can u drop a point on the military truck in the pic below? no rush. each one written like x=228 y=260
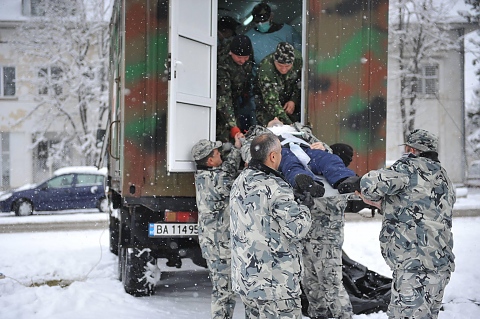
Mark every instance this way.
x=163 y=100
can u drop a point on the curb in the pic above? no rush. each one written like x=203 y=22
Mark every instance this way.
x=53 y=226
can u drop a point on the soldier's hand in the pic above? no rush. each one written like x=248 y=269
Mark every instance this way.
x=289 y=107
x=370 y=202
x=317 y=146
x=239 y=137
x=304 y=198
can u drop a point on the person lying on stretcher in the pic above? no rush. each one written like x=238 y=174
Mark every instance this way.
x=304 y=157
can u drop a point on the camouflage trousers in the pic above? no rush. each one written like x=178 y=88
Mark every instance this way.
x=272 y=309
x=223 y=298
x=417 y=294
x=322 y=281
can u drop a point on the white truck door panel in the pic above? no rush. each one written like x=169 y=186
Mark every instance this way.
x=192 y=85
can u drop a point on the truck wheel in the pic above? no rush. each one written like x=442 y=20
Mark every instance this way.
x=140 y=272
x=103 y=204
x=23 y=208
x=121 y=262
x=113 y=227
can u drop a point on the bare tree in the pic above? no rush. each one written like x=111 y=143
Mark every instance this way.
x=418 y=36
x=473 y=109
x=65 y=45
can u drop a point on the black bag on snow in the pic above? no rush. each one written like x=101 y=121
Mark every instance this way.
x=369 y=291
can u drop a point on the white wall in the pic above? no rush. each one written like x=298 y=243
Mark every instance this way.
x=20 y=159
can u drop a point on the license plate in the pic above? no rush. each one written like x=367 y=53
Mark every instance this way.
x=169 y=230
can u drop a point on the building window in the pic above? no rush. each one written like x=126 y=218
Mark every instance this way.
x=51 y=79
x=7 y=81
x=39 y=8
x=5 y=160
x=47 y=158
x=426 y=84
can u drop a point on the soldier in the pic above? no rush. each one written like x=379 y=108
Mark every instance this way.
x=267 y=227
x=226 y=31
x=322 y=258
x=235 y=111
x=277 y=92
x=213 y=180
x=416 y=198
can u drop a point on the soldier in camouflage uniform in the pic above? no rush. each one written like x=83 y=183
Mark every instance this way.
x=226 y=31
x=322 y=258
x=416 y=198
x=277 y=93
x=213 y=180
x=235 y=108
x=267 y=227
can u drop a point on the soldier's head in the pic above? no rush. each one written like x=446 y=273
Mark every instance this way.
x=283 y=57
x=421 y=141
x=241 y=49
x=205 y=153
x=227 y=27
x=262 y=17
x=266 y=148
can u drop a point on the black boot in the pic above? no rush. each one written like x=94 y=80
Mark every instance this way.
x=349 y=185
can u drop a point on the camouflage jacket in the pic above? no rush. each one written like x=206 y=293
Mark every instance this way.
x=417 y=201
x=267 y=228
x=328 y=220
x=273 y=90
x=234 y=83
x=212 y=192
x=257 y=130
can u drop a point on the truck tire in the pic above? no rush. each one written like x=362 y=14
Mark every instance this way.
x=113 y=227
x=121 y=263
x=140 y=272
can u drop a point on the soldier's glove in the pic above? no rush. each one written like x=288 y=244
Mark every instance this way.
x=233 y=131
x=304 y=198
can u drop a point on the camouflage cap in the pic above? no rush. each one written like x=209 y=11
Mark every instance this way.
x=261 y=12
x=203 y=148
x=285 y=53
x=422 y=140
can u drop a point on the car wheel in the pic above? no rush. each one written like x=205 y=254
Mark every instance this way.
x=102 y=205
x=23 y=208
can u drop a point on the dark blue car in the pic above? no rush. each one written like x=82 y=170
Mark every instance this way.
x=76 y=187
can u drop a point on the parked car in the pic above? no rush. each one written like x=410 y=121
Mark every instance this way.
x=74 y=187
x=473 y=175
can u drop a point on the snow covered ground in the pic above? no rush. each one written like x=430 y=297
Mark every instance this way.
x=82 y=262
